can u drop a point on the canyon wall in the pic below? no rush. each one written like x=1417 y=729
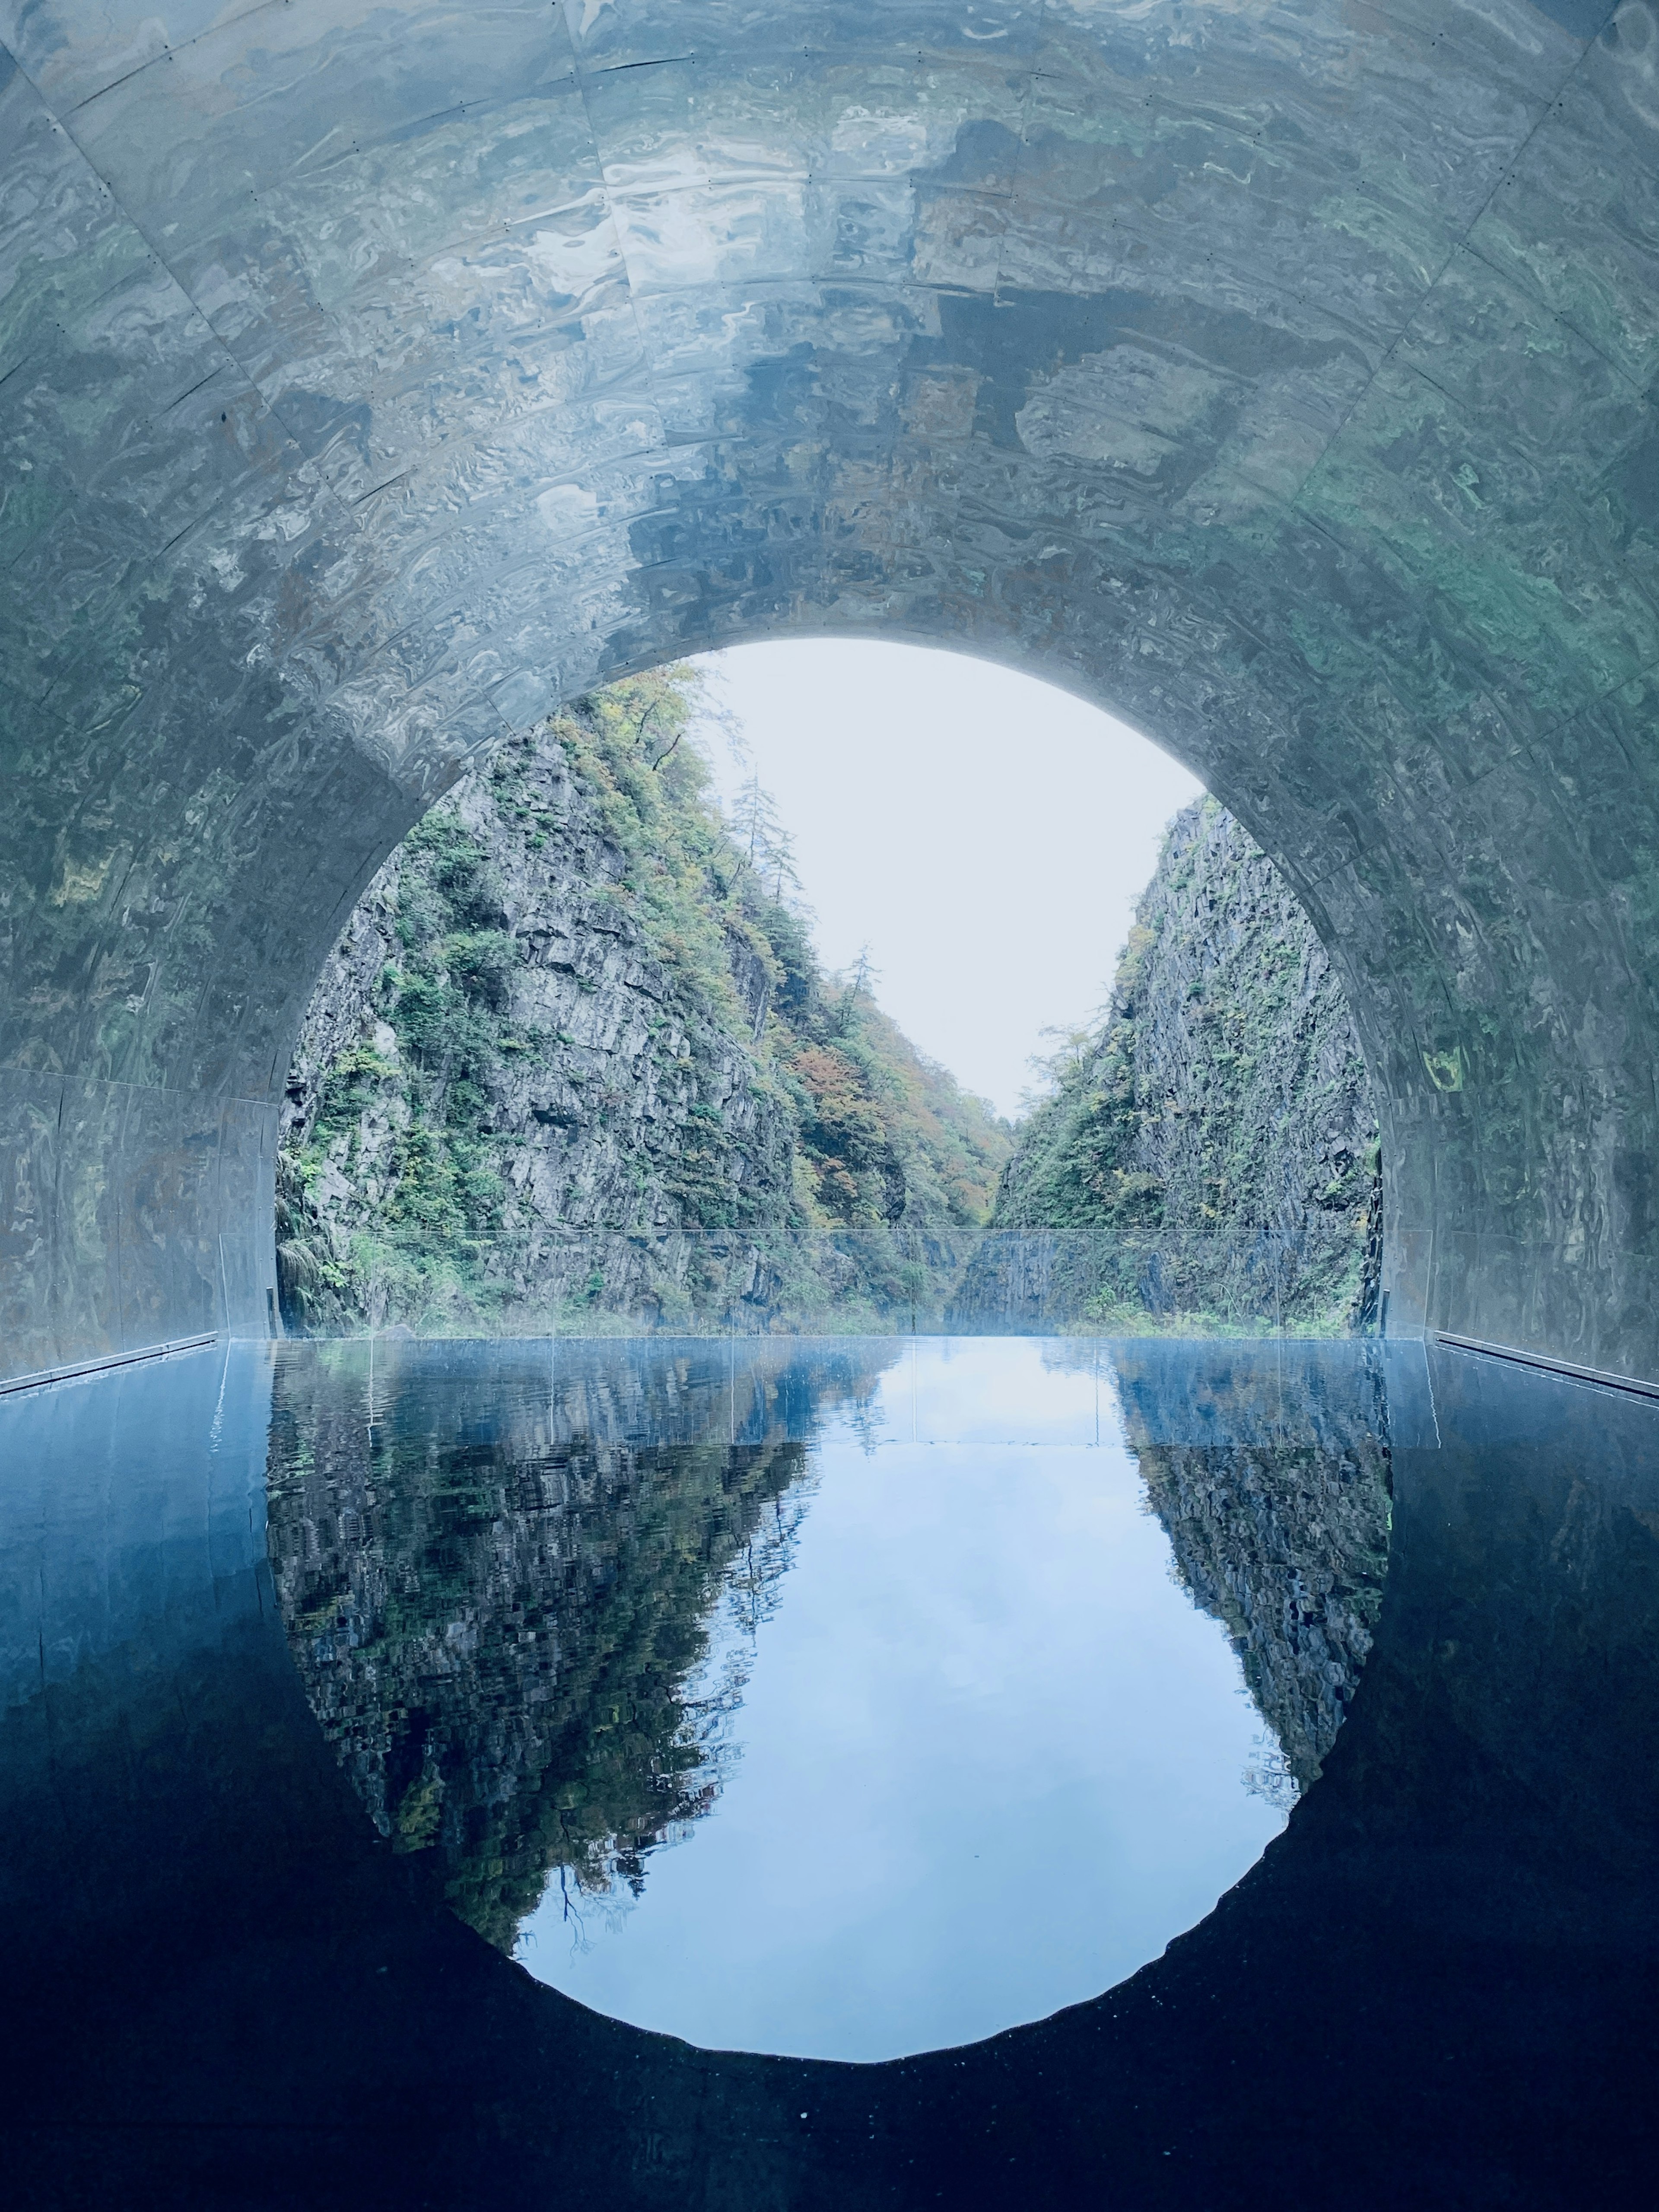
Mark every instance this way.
x=1208 y=1155
x=573 y=1064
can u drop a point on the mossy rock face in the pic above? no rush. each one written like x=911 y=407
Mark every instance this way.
x=1209 y=1156
x=573 y=1064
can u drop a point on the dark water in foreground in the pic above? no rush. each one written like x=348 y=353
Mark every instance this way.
x=844 y=1700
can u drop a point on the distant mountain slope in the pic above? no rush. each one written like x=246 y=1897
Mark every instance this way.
x=573 y=1056
x=1215 y=1136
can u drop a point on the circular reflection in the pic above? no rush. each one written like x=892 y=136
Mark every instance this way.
x=842 y=1700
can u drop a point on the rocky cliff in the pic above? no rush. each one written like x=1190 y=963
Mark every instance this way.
x=574 y=1061
x=1208 y=1156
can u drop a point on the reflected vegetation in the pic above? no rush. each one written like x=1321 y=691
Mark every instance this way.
x=1279 y=1529
x=498 y=1567
x=1439 y=1978
x=501 y=1566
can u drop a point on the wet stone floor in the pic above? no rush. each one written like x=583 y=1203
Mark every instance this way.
x=491 y=1762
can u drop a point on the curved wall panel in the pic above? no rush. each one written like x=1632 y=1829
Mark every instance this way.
x=373 y=377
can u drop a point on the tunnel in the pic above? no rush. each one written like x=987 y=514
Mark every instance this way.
x=375 y=377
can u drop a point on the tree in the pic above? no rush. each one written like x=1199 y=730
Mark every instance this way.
x=660 y=705
x=860 y=984
x=766 y=848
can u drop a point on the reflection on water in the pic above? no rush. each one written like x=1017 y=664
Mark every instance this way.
x=950 y=1727
x=1281 y=1532
x=496 y=1565
x=225 y=1985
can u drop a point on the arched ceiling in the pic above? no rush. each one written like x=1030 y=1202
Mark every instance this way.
x=371 y=377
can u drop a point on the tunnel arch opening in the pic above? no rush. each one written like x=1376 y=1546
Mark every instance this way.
x=876 y=945
x=359 y=373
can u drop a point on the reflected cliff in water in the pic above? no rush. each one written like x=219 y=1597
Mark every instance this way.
x=1280 y=1519
x=499 y=1565
x=224 y=1986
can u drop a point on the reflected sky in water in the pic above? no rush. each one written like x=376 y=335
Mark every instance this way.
x=311 y=1690
x=991 y=1757
x=847 y=1699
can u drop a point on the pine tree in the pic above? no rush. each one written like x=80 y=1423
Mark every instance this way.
x=766 y=847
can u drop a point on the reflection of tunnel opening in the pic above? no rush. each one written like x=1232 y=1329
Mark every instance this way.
x=1282 y=381
x=553 y=1631
x=395 y=401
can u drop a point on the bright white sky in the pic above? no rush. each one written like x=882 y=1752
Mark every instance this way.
x=986 y=835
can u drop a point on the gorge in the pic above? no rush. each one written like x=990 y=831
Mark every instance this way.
x=574 y=1064
x=574 y=1060
x=383 y=385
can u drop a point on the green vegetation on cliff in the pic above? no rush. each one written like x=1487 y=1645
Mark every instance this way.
x=1207 y=1156
x=575 y=1058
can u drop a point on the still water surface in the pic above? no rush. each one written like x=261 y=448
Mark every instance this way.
x=316 y=1683
x=989 y=1757
x=843 y=1700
